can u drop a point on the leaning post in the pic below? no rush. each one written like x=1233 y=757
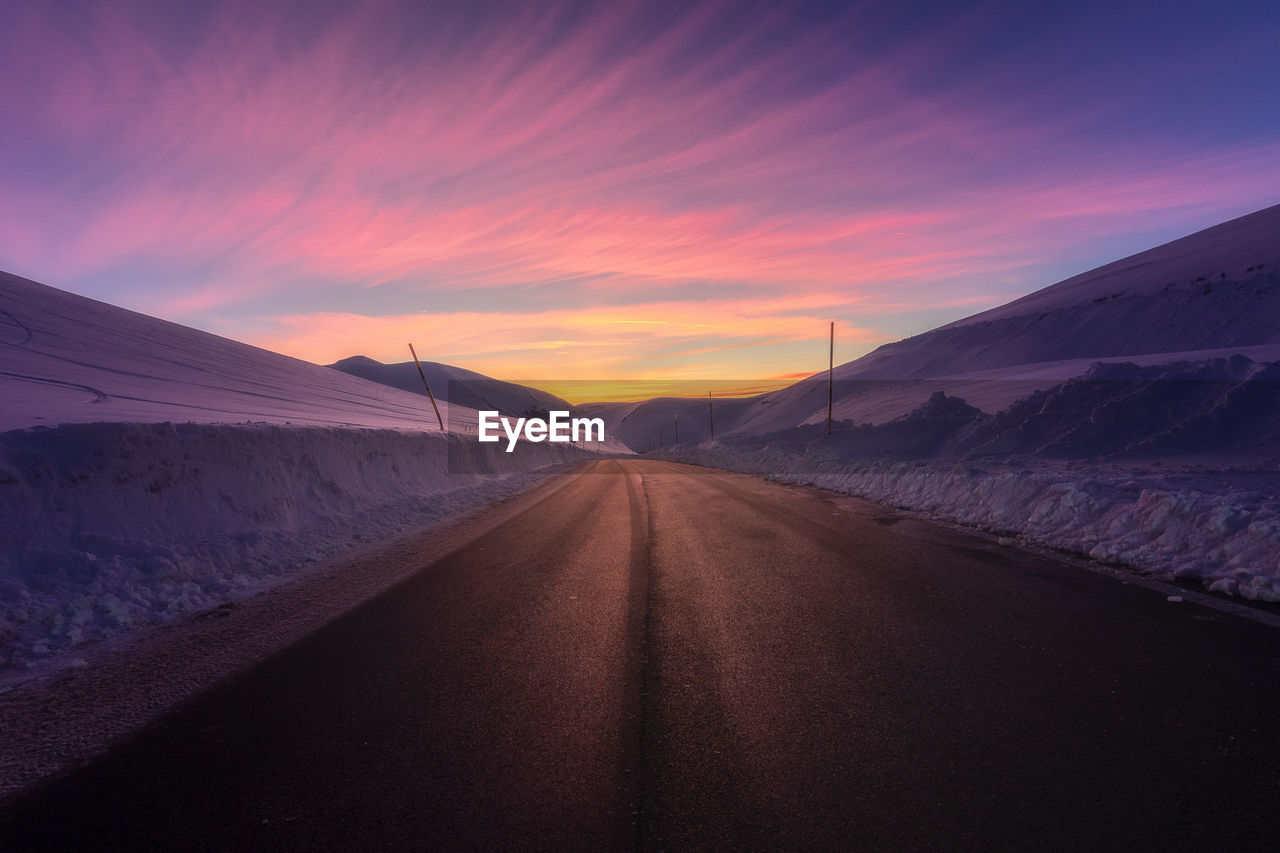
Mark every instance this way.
x=428 y=387
x=831 y=371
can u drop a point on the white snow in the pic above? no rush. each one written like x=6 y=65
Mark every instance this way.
x=1194 y=526
x=112 y=526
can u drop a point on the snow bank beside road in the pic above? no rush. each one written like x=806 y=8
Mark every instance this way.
x=111 y=526
x=1223 y=530
x=1090 y=464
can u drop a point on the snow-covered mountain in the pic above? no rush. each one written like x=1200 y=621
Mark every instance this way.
x=69 y=359
x=458 y=385
x=1215 y=289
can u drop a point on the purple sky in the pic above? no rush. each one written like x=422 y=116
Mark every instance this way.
x=616 y=189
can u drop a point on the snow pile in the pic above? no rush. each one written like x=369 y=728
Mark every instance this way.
x=1221 y=529
x=111 y=526
x=1116 y=464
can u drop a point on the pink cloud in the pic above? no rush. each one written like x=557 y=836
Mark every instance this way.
x=547 y=158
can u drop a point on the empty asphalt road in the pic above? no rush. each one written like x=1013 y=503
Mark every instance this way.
x=652 y=656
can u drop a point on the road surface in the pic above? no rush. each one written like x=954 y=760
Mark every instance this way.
x=651 y=656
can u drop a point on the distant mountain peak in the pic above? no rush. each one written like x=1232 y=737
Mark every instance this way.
x=355 y=361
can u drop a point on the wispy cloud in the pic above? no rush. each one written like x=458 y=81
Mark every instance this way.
x=230 y=160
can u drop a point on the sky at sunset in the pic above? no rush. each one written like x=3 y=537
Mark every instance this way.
x=676 y=191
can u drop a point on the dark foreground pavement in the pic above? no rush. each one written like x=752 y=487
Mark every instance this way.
x=651 y=656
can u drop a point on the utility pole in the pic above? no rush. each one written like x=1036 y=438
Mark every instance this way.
x=831 y=373
x=711 y=413
x=428 y=387
x=677 y=428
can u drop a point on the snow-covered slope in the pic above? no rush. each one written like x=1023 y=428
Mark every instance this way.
x=68 y=359
x=1214 y=289
x=458 y=385
x=1236 y=249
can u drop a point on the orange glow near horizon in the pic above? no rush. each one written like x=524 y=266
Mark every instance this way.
x=578 y=391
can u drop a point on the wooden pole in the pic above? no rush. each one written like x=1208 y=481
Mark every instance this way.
x=831 y=373
x=711 y=413
x=425 y=385
x=677 y=428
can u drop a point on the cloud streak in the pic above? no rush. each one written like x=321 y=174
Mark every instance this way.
x=213 y=167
